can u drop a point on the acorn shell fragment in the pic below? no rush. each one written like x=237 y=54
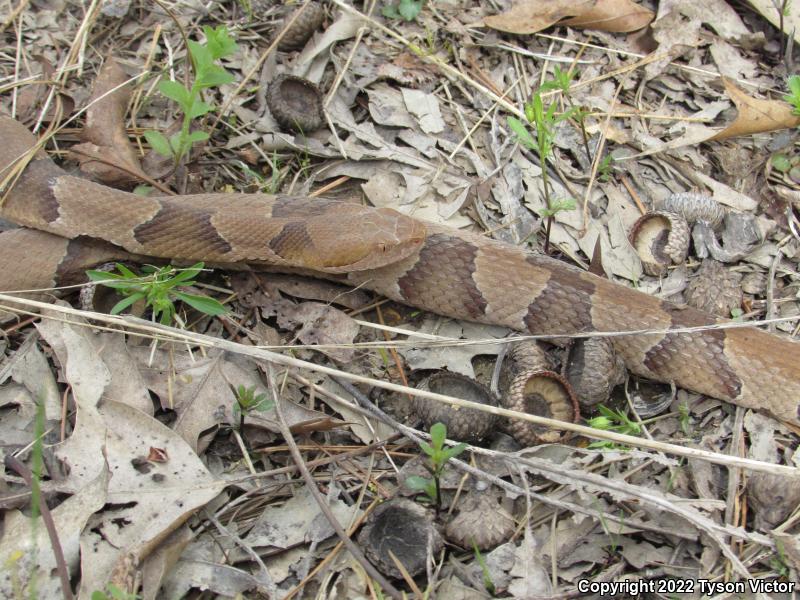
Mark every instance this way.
x=303 y=27
x=296 y=104
x=463 y=424
x=661 y=239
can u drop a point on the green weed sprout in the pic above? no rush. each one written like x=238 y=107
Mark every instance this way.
x=544 y=120
x=157 y=286
x=438 y=455
x=113 y=593
x=405 y=9
x=793 y=97
x=613 y=420
x=248 y=401
x=219 y=44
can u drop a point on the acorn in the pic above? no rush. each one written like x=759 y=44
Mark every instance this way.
x=303 y=27
x=296 y=104
x=463 y=424
x=661 y=239
x=594 y=370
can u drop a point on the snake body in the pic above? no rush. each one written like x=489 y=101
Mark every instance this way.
x=453 y=273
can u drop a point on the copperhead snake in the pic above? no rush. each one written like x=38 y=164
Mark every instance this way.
x=76 y=223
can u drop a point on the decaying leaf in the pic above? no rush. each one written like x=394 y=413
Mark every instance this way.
x=148 y=499
x=531 y=16
x=106 y=153
x=755 y=115
x=26 y=552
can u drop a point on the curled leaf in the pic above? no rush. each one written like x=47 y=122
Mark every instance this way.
x=531 y=16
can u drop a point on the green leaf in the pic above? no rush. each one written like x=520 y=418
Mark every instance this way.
x=524 y=136
x=415 y=482
x=794 y=85
x=197 y=136
x=177 y=144
x=390 y=12
x=781 y=162
x=175 y=91
x=102 y=275
x=409 y=9
x=438 y=435
x=454 y=451
x=198 y=109
x=184 y=275
x=212 y=76
x=219 y=42
x=204 y=304
x=126 y=302
x=426 y=448
x=158 y=142
x=201 y=56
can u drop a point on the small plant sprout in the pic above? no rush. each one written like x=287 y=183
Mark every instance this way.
x=404 y=9
x=113 y=593
x=438 y=455
x=158 y=288
x=544 y=121
x=207 y=74
x=793 y=97
x=247 y=401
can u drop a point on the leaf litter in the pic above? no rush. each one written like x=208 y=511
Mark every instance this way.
x=164 y=489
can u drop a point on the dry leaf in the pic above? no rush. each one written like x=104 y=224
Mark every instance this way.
x=755 y=115
x=26 y=551
x=104 y=134
x=531 y=16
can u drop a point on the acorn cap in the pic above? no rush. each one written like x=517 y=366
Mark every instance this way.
x=463 y=424
x=661 y=239
x=594 y=370
x=481 y=520
x=695 y=207
x=405 y=529
x=303 y=27
x=542 y=393
x=714 y=289
x=296 y=104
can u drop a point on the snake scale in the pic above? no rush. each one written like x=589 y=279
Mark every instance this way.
x=75 y=223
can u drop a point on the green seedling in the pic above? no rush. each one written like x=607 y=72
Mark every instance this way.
x=247 y=401
x=685 y=418
x=158 y=288
x=404 y=9
x=561 y=81
x=113 y=592
x=207 y=74
x=793 y=97
x=438 y=455
x=487 y=576
x=613 y=420
x=604 y=168
x=544 y=119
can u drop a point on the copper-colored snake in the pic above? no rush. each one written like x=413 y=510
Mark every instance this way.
x=453 y=273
